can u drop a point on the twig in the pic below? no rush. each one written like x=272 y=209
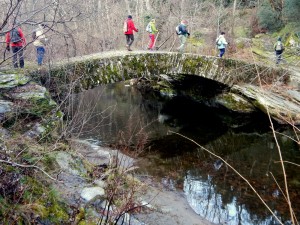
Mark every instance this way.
x=29 y=166
x=295 y=164
x=279 y=152
x=282 y=192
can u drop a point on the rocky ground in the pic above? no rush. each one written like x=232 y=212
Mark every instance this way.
x=160 y=206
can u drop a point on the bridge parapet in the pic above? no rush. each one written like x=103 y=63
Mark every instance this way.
x=110 y=67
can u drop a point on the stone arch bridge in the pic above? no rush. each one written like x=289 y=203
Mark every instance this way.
x=261 y=86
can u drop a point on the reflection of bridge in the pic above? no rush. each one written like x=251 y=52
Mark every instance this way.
x=243 y=78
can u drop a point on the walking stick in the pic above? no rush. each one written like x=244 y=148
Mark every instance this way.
x=165 y=41
x=4 y=54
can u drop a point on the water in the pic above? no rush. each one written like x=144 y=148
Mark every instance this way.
x=116 y=114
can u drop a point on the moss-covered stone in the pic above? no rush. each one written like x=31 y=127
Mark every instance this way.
x=235 y=103
x=90 y=72
x=13 y=80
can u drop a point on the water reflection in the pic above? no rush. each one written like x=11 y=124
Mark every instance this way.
x=205 y=201
x=212 y=190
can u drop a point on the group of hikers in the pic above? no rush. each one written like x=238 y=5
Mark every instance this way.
x=16 y=42
x=129 y=29
x=181 y=31
x=183 y=34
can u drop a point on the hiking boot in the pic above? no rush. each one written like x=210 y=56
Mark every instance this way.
x=129 y=49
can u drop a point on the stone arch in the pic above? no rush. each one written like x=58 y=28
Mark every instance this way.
x=110 y=67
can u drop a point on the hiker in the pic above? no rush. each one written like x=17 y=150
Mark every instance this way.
x=183 y=34
x=15 y=40
x=39 y=43
x=221 y=44
x=128 y=31
x=151 y=29
x=279 y=48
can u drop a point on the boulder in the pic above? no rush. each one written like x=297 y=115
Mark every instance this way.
x=90 y=193
x=235 y=103
x=282 y=104
x=8 y=81
x=32 y=99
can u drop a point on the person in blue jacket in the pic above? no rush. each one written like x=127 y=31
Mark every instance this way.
x=221 y=44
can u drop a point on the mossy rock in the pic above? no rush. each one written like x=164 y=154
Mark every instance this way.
x=235 y=103
x=8 y=81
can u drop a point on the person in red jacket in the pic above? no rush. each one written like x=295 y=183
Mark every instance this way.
x=15 y=40
x=128 y=31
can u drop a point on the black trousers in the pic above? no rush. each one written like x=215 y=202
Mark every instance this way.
x=129 y=39
x=18 y=51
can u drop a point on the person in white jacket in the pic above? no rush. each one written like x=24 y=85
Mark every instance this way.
x=39 y=43
x=221 y=44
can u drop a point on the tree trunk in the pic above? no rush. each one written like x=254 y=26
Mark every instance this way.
x=233 y=18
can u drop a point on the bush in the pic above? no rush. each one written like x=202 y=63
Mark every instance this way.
x=269 y=18
x=291 y=10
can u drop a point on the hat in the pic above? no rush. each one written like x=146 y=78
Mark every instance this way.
x=184 y=22
x=279 y=39
x=129 y=16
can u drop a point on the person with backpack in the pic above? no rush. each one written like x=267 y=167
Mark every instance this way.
x=15 y=40
x=151 y=29
x=128 y=29
x=279 y=48
x=39 y=42
x=183 y=34
x=221 y=44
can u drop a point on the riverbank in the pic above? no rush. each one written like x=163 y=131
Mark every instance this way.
x=169 y=208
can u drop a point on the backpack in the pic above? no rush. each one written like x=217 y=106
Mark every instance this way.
x=178 y=29
x=125 y=26
x=148 y=28
x=15 y=36
x=217 y=42
x=279 y=46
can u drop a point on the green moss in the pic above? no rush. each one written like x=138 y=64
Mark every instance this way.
x=168 y=92
x=40 y=106
x=241 y=31
x=235 y=104
x=37 y=198
x=196 y=42
x=49 y=161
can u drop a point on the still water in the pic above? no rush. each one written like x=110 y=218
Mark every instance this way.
x=120 y=114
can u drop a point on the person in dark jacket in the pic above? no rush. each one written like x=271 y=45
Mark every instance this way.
x=183 y=34
x=15 y=40
x=128 y=31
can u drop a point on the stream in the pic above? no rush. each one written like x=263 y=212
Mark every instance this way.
x=173 y=137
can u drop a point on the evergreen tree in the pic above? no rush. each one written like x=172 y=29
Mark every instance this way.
x=292 y=10
x=269 y=17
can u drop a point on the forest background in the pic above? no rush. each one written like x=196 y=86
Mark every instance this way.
x=76 y=27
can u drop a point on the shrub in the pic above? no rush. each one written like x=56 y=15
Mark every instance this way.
x=291 y=10
x=269 y=18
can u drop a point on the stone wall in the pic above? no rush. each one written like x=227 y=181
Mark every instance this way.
x=110 y=67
